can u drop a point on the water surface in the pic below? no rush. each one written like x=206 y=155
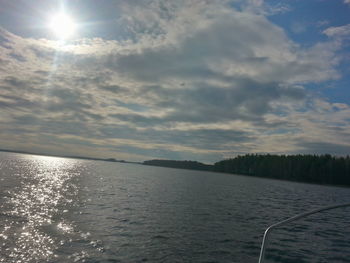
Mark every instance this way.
x=68 y=210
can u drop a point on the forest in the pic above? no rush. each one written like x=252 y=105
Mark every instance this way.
x=322 y=169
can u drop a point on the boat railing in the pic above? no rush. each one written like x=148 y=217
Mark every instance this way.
x=291 y=219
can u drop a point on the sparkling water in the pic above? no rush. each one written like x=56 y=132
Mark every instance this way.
x=68 y=210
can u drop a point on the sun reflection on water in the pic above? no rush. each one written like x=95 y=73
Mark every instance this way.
x=33 y=209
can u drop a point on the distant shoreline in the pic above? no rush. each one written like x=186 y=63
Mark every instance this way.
x=315 y=169
x=71 y=157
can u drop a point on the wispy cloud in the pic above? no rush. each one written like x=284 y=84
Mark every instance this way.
x=340 y=31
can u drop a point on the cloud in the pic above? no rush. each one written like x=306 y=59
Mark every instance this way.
x=266 y=8
x=210 y=104
x=322 y=23
x=298 y=27
x=194 y=78
x=338 y=32
x=214 y=50
x=347 y=2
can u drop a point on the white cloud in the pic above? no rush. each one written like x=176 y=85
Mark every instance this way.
x=322 y=23
x=231 y=42
x=339 y=32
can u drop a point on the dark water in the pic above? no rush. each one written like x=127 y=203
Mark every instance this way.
x=66 y=210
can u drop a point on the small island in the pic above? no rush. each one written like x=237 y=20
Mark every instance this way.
x=192 y=165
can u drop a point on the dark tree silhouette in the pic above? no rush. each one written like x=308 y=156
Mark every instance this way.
x=322 y=169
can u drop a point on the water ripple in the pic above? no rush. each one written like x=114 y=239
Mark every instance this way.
x=32 y=208
x=59 y=210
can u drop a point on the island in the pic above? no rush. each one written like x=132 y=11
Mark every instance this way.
x=192 y=165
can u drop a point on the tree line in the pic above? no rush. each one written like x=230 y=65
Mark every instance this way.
x=322 y=169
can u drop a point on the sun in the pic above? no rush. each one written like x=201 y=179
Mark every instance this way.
x=62 y=25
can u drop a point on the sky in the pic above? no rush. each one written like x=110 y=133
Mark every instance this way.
x=175 y=79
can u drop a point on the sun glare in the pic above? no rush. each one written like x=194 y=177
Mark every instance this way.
x=62 y=26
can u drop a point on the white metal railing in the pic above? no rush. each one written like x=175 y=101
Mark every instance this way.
x=296 y=217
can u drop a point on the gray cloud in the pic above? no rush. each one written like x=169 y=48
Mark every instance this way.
x=18 y=57
x=113 y=88
x=247 y=100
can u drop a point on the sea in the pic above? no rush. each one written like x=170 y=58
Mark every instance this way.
x=70 y=210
